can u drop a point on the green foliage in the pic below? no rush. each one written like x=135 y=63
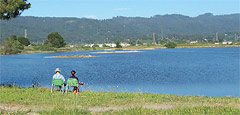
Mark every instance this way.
x=170 y=45
x=44 y=47
x=14 y=37
x=55 y=40
x=162 y=42
x=24 y=41
x=95 y=45
x=12 y=8
x=118 y=45
x=12 y=45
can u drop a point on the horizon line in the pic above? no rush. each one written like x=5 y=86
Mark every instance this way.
x=129 y=16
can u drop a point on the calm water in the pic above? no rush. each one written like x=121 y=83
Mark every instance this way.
x=184 y=71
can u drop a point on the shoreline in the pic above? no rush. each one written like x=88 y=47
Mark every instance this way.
x=124 y=48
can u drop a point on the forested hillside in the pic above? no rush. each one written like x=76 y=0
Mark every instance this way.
x=85 y=30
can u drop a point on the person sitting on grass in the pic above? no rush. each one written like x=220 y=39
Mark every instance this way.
x=57 y=75
x=73 y=72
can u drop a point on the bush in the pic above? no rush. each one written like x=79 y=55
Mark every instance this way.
x=24 y=41
x=55 y=40
x=11 y=45
x=118 y=45
x=170 y=45
x=44 y=47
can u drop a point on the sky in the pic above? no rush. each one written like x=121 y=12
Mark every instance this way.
x=106 y=9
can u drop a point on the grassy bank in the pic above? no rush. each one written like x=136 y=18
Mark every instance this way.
x=38 y=49
x=79 y=48
x=40 y=100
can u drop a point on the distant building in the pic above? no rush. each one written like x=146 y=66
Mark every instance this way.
x=227 y=42
x=111 y=45
x=224 y=42
x=124 y=44
x=193 y=42
x=100 y=45
x=216 y=43
x=89 y=45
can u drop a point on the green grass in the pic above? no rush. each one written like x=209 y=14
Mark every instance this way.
x=42 y=96
x=57 y=111
x=201 y=110
x=70 y=103
x=33 y=49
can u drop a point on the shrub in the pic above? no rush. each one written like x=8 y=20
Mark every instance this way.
x=171 y=45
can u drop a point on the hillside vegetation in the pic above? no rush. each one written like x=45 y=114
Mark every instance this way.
x=75 y=30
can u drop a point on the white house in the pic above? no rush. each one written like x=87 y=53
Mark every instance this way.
x=89 y=45
x=227 y=42
x=193 y=42
x=124 y=44
x=111 y=44
x=100 y=45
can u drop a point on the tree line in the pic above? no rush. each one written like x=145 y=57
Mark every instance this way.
x=14 y=44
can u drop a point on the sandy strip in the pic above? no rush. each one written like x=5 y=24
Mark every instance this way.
x=116 y=52
x=70 y=56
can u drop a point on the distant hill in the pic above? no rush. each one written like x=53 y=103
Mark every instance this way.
x=92 y=30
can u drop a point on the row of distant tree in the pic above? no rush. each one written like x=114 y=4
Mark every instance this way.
x=14 y=44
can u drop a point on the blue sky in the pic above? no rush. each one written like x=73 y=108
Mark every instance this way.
x=105 y=9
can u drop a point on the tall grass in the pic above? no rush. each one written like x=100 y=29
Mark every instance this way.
x=42 y=96
x=54 y=102
x=201 y=110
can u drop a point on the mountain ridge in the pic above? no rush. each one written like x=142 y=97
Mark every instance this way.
x=120 y=27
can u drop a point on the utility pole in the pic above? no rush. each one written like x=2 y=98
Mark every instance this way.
x=217 y=37
x=25 y=35
x=161 y=34
x=154 y=38
x=161 y=37
x=236 y=37
x=137 y=42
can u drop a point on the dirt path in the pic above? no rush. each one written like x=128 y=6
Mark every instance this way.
x=9 y=108
x=153 y=106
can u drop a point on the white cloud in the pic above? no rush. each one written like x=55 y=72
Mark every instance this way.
x=90 y=16
x=121 y=9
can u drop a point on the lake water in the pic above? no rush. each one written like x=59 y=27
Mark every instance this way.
x=183 y=71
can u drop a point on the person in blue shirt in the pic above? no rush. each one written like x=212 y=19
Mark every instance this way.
x=58 y=76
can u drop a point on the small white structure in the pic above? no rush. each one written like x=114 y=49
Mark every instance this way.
x=227 y=42
x=111 y=45
x=124 y=44
x=224 y=42
x=193 y=42
x=100 y=45
x=89 y=45
x=216 y=43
